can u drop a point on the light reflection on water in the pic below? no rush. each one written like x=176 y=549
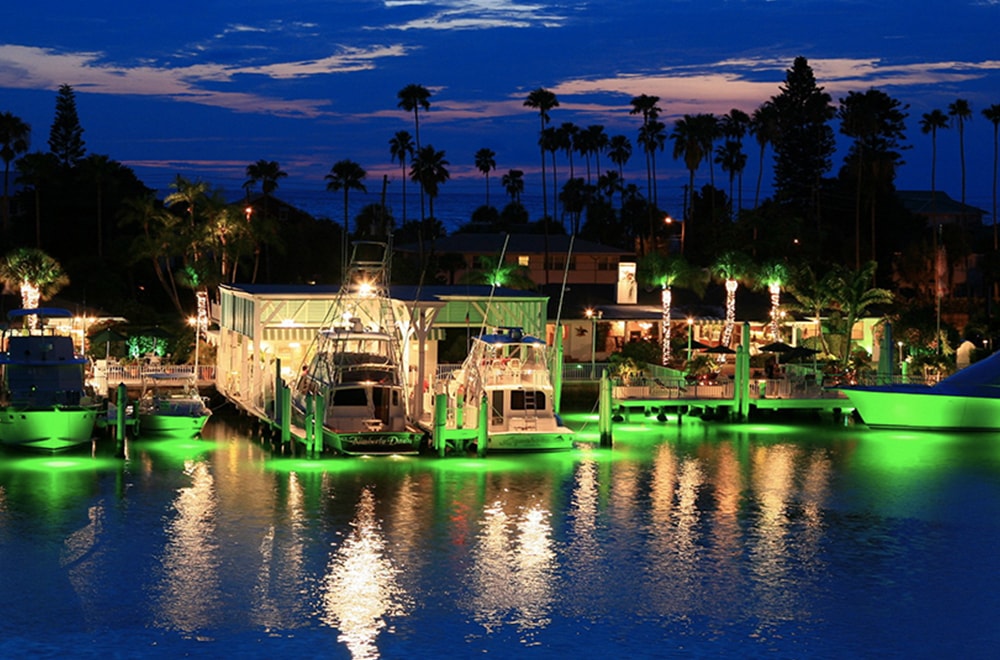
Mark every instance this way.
x=706 y=539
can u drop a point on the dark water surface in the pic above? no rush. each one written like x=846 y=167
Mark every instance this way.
x=682 y=541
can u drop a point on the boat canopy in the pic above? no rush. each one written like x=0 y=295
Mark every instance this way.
x=984 y=372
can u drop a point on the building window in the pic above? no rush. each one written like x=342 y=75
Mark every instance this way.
x=524 y=260
x=607 y=263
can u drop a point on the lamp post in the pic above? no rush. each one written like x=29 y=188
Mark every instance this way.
x=593 y=316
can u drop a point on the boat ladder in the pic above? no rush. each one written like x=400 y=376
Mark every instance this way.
x=530 y=410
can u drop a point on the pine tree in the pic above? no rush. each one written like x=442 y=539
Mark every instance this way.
x=66 y=134
x=804 y=142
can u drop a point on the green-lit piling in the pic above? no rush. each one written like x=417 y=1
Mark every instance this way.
x=440 y=424
x=285 y=417
x=604 y=411
x=121 y=414
x=483 y=432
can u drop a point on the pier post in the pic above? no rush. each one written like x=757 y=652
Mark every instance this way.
x=742 y=375
x=557 y=371
x=604 y=411
x=285 y=418
x=440 y=423
x=278 y=384
x=483 y=432
x=121 y=412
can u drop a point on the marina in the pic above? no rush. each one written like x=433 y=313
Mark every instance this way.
x=717 y=540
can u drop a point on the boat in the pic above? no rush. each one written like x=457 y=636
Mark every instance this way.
x=44 y=403
x=171 y=405
x=968 y=400
x=508 y=371
x=354 y=368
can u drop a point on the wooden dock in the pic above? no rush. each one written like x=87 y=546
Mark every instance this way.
x=723 y=400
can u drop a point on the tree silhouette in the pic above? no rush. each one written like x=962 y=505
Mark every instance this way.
x=66 y=134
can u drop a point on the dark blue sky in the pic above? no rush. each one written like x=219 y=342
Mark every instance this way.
x=202 y=89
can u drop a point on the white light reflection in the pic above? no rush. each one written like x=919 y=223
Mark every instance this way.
x=360 y=589
x=189 y=597
x=281 y=566
x=80 y=558
x=674 y=567
x=585 y=558
x=515 y=565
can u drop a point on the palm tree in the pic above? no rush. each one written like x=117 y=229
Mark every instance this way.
x=267 y=173
x=549 y=141
x=655 y=269
x=689 y=146
x=734 y=125
x=566 y=136
x=513 y=183
x=488 y=270
x=992 y=113
x=961 y=111
x=412 y=98
x=773 y=276
x=930 y=122
x=401 y=149
x=429 y=170
x=345 y=175
x=542 y=100
x=764 y=127
x=486 y=161
x=733 y=161
x=36 y=170
x=730 y=267
x=159 y=241
x=619 y=151
x=34 y=275
x=190 y=194
x=645 y=105
x=813 y=295
x=14 y=135
x=853 y=295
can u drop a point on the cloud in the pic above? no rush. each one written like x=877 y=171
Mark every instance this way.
x=746 y=83
x=28 y=67
x=476 y=15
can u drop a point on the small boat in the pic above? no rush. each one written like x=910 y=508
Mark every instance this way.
x=44 y=403
x=509 y=371
x=171 y=405
x=968 y=400
x=355 y=370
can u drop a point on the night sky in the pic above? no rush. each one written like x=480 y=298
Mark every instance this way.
x=203 y=89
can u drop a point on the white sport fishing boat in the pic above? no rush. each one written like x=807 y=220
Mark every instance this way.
x=510 y=372
x=44 y=403
x=355 y=366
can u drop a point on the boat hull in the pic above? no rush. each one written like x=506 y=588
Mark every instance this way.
x=527 y=441
x=376 y=443
x=49 y=429
x=171 y=425
x=921 y=408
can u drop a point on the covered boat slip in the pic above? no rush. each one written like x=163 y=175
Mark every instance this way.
x=266 y=331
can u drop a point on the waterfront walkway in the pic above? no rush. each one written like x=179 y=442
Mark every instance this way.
x=714 y=399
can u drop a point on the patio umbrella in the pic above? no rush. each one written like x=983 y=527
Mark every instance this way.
x=697 y=345
x=107 y=335
x=720 y=350
x=776 y=347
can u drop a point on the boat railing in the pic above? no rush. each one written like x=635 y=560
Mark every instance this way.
x=132 y=374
